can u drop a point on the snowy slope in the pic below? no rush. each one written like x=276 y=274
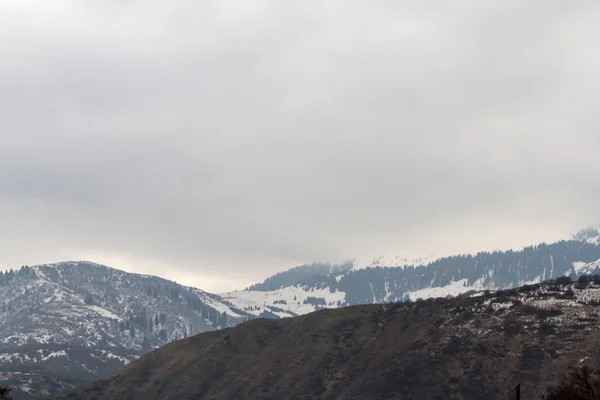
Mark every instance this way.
x=285 y=302
x=84 y=321
x=453 y=289
x=589 y=235
x=587 y=269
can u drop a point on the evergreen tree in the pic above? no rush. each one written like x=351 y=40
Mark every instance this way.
x=131 y=331
x=5 y=393
x=162 y=335
x=146 y=344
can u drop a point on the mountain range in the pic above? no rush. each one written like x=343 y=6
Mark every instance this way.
x=68 y=323
x=478 y=346
x=306 y=288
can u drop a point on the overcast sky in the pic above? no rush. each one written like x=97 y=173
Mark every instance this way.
x=218 y=142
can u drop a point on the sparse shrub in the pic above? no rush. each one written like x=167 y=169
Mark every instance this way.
x=568 y=294
x=582 y=384
x=529 y=310
x=554 y=288
x=511 y=328
x=466 y=315
x=545 y=313
x=527 y=288
x=584 y=279
x=5 y=393
x=563 y=280
x=583 y=282
x=546 y=328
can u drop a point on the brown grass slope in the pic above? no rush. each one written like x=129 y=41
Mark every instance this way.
x=469 y=348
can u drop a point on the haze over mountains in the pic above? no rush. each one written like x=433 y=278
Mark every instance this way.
x=67 y=323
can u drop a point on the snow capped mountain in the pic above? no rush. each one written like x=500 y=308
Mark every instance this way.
x=391 y=277
x=78 y=321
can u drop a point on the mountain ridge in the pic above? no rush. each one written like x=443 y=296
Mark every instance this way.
x=78 y=321
x=314 y=286
x=469 y=347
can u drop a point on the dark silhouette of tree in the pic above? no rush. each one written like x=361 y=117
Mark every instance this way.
x=5 y=393
x=582 y=384
x=89 y=299
x=162 y=335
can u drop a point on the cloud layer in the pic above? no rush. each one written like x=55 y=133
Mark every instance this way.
x=218 y=142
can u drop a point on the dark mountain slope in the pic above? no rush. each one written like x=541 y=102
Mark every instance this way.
x=463 y=348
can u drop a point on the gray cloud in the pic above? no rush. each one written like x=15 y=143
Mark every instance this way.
x=218 y=142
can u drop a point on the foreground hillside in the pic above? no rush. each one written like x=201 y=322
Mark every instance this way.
x=73 y=322
x=462 y=348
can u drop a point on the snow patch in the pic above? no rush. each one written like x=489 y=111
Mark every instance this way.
x=587 y=269
x=104 y=312
x=578 y=266
x=217 y=305
x=455 y=288
x=290 y=299
x=55 y=354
